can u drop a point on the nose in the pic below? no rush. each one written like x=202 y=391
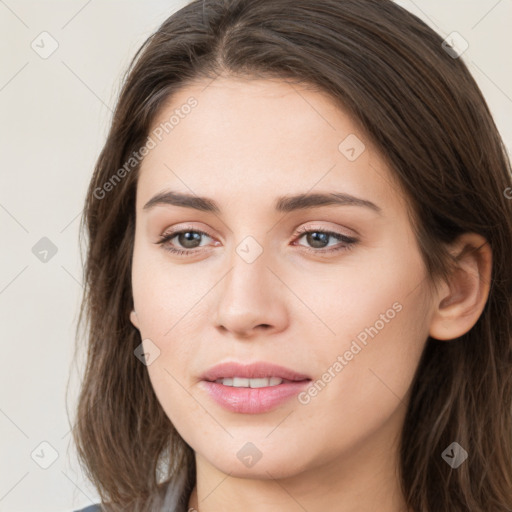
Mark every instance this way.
x=251 y=300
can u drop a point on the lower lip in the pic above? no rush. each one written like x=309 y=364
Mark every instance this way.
x=253 y=400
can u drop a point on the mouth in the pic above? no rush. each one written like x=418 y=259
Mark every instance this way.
x=250 y=389
x=241 y=382
x=258 y=374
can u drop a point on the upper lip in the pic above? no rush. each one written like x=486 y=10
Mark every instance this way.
x=255 y=370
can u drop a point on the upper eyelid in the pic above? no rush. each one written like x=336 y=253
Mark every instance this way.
x=308 y=228
x=173 y=233
x=300 y=229
x=298 y=232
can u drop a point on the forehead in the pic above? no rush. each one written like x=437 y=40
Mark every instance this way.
x=253 y=137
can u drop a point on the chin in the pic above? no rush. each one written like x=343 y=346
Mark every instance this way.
x=246 y=460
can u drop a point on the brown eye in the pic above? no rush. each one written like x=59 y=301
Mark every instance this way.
x=187 y=239
x=319 y=239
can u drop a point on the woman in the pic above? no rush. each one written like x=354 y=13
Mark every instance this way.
x=298 y=281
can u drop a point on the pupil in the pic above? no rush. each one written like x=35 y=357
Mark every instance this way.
x=316 y=237
x=189 y=236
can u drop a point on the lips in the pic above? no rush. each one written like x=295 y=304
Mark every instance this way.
x=254 y=388
x=258 y=370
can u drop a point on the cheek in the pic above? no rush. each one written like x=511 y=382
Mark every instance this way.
x=172 y=391
x=381 y=325
x=361 y=295
x=365 y=391
x=167 y=299
x=164 y=294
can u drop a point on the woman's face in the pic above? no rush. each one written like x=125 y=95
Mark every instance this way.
x=349 y=310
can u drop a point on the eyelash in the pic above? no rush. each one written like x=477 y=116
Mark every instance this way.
x=348 y=241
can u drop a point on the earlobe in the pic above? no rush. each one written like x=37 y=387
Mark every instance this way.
x=464 y=298
x=134 y=319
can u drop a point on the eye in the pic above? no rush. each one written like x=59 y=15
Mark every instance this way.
x=190 y=240
x=319 y=238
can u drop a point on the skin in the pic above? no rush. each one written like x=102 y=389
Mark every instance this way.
x=246 y=143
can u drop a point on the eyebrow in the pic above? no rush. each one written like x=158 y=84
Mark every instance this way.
x=283 y=204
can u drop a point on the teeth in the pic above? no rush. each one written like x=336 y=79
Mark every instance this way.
x=240 y=382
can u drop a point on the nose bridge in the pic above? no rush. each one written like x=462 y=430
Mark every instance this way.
x=250 y=294
x=250 y=245
x=247 y=280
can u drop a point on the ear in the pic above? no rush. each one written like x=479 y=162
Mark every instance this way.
x=134 y=319
x=463 y=299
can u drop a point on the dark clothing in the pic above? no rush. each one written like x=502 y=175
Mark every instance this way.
x=175 y=500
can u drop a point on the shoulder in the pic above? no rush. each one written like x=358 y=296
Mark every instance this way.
x=90 y=508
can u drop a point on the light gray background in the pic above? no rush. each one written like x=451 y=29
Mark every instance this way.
x=54 y=119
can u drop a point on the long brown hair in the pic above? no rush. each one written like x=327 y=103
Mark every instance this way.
x=427 y=117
